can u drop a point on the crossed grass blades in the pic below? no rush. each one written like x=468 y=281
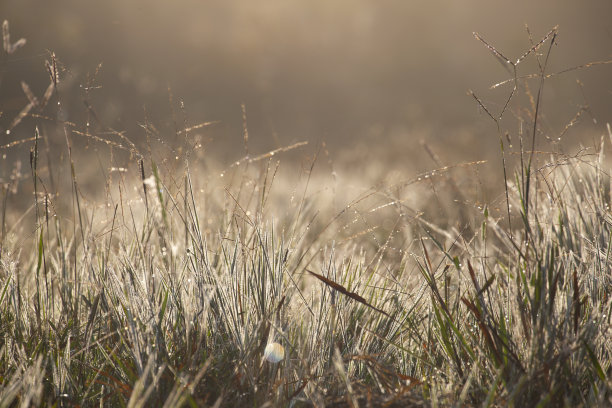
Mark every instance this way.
x=169 y=294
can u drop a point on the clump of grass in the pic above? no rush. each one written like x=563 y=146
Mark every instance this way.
x=179 y=288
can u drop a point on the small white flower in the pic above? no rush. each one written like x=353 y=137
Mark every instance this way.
x=274 y=352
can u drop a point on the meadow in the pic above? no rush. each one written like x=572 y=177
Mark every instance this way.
x=154 y=275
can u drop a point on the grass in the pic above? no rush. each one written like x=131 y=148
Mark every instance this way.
x=174 y=288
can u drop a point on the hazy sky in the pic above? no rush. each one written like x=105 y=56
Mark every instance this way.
x=342 y=71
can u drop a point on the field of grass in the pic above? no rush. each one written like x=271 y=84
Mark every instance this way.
x=181 y=283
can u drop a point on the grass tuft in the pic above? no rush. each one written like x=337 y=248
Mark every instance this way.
x=229 y=288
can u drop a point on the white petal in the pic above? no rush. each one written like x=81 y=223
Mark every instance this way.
x=274 y=352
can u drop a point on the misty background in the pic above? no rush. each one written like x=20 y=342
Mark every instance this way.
x=375 y=81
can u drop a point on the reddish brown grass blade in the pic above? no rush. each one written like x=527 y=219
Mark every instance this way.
x=486 y=286
x=344 y=291
x=576 y=300
x=483 y=328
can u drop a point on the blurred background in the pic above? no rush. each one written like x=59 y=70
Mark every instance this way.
x=383 y=83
